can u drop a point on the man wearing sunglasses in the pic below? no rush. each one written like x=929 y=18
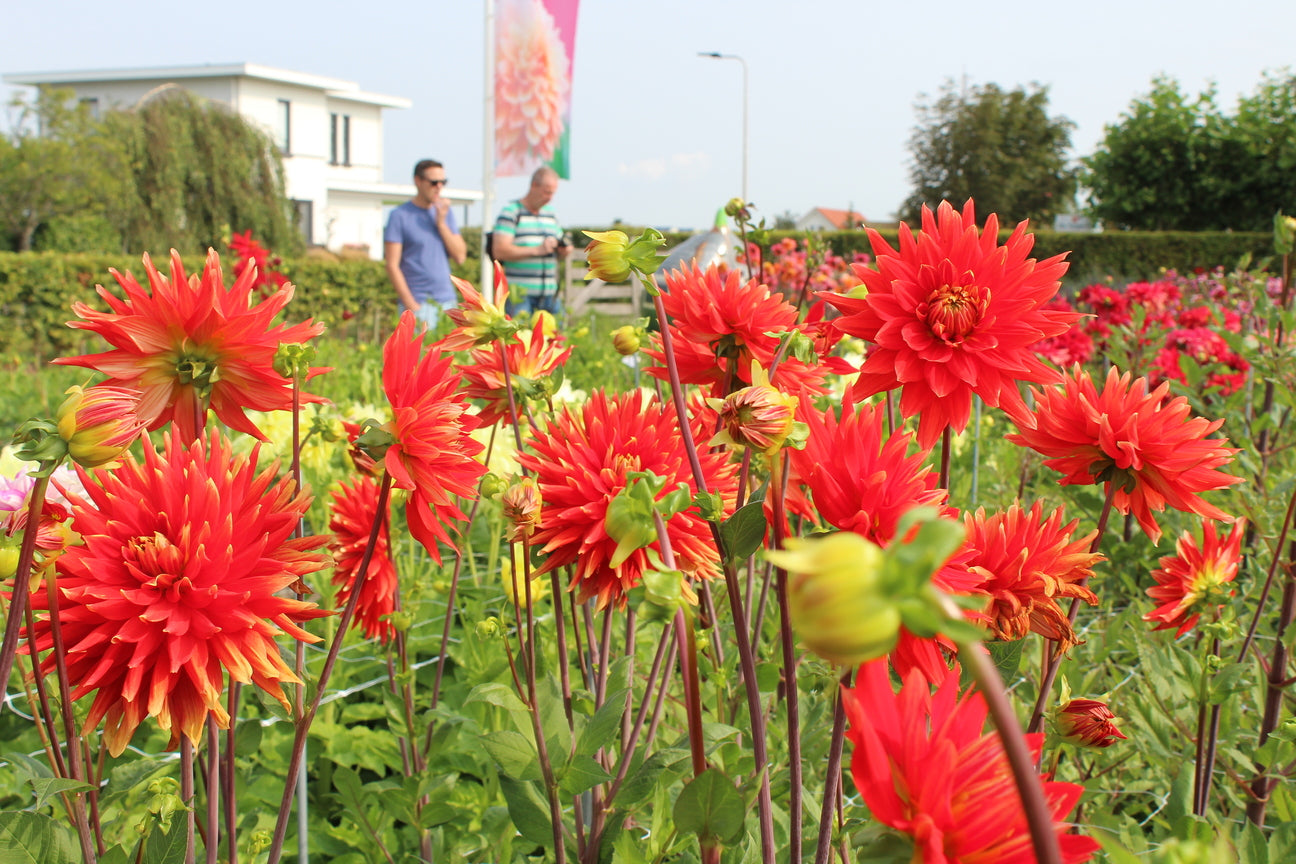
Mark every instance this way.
x=421 y=240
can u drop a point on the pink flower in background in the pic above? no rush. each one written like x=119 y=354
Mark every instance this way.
x=532 y=86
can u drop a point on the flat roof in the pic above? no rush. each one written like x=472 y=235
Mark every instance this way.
x=334 y=88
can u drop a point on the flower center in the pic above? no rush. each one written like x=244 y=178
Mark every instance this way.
x=198 y=371
x=158 y=563
x=954 y=311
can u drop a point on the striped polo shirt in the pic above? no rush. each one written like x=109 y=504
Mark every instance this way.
x=527 y=229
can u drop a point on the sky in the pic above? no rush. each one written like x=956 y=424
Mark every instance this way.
x=656 y=135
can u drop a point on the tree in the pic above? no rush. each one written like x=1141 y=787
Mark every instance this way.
x=1177 y=162
x=999 y=147
x=199 y=171
x=56 y=162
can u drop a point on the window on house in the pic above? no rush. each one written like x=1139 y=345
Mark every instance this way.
x=92 y=106
x=283 y=127
x=304 y=212
x=339 y=139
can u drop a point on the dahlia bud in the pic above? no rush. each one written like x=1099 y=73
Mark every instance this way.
x=522 y=508
x=98 y=424
x=837 y=599
x=738 y=209
x=612 y=255
x=626 y=340
x=477 y=320
x=758 y=416
x=1088 y=723
x=492 y=485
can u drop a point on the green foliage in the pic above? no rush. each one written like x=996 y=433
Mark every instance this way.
x=176 y=171
x=998 y=147
x=1174 y=162
x=57 y=162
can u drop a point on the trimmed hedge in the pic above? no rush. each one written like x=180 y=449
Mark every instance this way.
x=354 y=299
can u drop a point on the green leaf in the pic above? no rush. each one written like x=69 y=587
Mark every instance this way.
x=515 y=753
x=710 y=807
x=582 y=773
x=34 y=838
x=529 y=812
x=166 y=847
x=602 y=727
x=499 y=695
x=1006 y=657
x=659 y=767
x=50 y=786
x=743 y=532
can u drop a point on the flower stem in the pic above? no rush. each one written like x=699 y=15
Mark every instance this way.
x=1038 y=816
x=22 y=580
x=832 y=780
x=747 y=661
x=304 y=721
x=187 y=796
x=787 y=643
x=1052 y=651
x=1263 y=785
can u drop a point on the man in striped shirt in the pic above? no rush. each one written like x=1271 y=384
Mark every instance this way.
x=528 y=241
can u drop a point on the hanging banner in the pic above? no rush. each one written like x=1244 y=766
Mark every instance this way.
x=535 y=41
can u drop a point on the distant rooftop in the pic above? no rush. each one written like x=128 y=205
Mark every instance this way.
x=335 y=88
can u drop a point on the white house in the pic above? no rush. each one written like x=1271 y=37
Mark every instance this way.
x=329 y=131
x=828 y=219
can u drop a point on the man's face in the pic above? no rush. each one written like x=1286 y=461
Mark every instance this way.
x=543 y=191
x=430 y=183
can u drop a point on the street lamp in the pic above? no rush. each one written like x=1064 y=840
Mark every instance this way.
x=718 y=56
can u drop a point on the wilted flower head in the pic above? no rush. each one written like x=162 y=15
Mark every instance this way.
x=1195 y=578
x=1087 y=722
x=179 y=582
x=98 y=424
x=189 y=344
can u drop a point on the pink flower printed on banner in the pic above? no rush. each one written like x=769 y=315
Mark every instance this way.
x=532 y=86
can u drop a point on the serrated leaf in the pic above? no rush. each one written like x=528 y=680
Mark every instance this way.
x=529 y=812
x=710 y=807
x=34 y=838
x=582 y=773
x=516 y=755
x=48 y=787
x=656 y=768
x=602 y=727
x=744 y=531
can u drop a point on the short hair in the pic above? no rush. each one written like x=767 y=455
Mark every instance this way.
x=424 y=164
x=544 y=172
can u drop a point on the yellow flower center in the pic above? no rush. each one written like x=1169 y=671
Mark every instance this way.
x=954 y=311
x=157 y=563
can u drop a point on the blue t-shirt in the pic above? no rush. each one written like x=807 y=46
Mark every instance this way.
x=423 y=254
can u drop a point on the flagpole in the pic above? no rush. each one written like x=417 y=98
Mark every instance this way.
x=488 y=147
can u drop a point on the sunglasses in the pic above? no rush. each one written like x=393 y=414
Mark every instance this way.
x=431 y=182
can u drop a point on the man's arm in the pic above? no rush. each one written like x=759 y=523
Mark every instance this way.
x=392 y=259
x=504 y=249
x=455 y=246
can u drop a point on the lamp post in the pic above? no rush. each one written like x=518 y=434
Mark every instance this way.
x=718 y=56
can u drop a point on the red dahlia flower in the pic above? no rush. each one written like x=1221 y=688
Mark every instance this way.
x=1194 y=578
x=351 y=521
x=720 y=324
x=952 y=313
x=924 y=767
x=1143 y=443
x=1030 y=564
x=581 y=461
x=179 y=583
x=188 y=344
x=433 y=455
x=1088 y=723
x=531 y=355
